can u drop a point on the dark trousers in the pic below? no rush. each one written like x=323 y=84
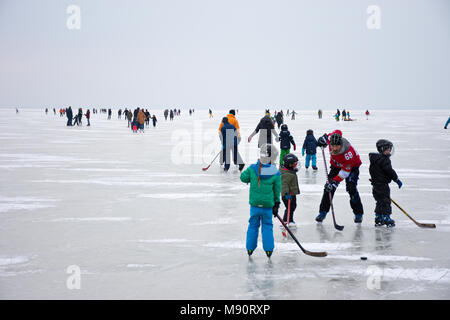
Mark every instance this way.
x=292 y=208
x=351 y=183
x=382 y=194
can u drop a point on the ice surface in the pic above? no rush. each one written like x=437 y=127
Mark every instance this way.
x=142 y=225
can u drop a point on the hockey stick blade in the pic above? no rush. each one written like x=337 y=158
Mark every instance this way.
x=421 y=225
x=309 y=253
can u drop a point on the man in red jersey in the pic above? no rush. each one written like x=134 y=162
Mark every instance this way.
x=345 y=163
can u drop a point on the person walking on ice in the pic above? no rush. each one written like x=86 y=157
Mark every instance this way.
x=446 y=124
x=264 y=199
x=381 y=174
x=345 y=163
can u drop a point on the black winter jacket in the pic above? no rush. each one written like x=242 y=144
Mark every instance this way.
x=380 y=169
x=286 y=139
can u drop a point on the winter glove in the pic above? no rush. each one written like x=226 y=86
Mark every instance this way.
x=330 y=186
x=287 y=196
x=295 y=147
x=322 y=141
x=275 y=209
x=399 y=184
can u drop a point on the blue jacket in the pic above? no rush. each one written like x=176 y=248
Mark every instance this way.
x=225 y=127
x=286 y=139
x=310 y=144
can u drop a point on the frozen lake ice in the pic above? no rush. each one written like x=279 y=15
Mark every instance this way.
x=143 y=222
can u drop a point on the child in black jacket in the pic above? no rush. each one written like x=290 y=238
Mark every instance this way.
x=381 y=174
x=285 y=142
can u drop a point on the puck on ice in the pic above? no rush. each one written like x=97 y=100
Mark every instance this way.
x=363 y=258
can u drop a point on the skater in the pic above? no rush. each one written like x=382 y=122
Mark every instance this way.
x=319 y=113
x=344 y=115
x=230 y=144
x=141 y=119
x=171 y=115
x=119 y=114
x=289 y=187
x=129 y=117
x=345 y=163
x=233 y=121
x=166 y=114
x=293 y=115
x=147 y=118
x=310 y=146
x=381 y=174
x=279 y=119
x=286 y=140
x=109 y=114
x=267 y=130
x=446 y=124
x=88 y=115
x=69 y=115
x=46 y=111
x=154 y=120
x=368 y=113
x=80 y=116
x=265 y=188
x=210 y=113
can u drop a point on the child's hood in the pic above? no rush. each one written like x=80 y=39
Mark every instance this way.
x=267 y=170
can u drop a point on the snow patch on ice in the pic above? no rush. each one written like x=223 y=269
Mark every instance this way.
x=5 y=261
x=219 y=221
x=94 y=219
x=378 y=258
x=24 y=203
x=134 y=265
x=173 y=196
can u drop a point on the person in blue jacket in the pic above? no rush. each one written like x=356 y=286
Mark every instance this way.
x=229 y=139
x=310 y=146
x=446 y=124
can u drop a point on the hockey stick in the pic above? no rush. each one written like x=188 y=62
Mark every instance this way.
x=309 y=253
x=206 y=168
x=288 y=214
x=338 y=227
x=422 y=225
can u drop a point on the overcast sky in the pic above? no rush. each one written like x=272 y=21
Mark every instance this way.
x=222 y=53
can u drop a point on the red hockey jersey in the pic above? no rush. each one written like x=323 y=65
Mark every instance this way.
x=346 y=159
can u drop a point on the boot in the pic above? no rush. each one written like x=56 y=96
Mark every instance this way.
x=269 y=253
x=388 y=221
x=358 y=218
x=321 y=216
x=378 y=220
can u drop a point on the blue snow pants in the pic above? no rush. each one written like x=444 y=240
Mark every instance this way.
x=310 y=157
x=263 y=217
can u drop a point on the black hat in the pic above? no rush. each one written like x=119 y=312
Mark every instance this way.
x=232 y=112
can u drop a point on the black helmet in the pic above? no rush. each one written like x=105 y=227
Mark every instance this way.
x=335 y=139
x=232 y=112
x=289 y=160
x=309 y=131
x=383 y=145
x=284 y=127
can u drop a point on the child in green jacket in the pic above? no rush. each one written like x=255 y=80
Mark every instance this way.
x=289 y=186
x=265 y=187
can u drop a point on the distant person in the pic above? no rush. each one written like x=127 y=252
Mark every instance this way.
x=141 y=119
x=109 y=114
x=267 y=129
x=129 y=116
x=17 y=110
x=69 y=116
x=279 y=119
x=293 y=113
x=368 y=113
x=210 y=113
x=446 y=124
x=154 y=120
x=166 y=114
x=119 y=114
x=344 y=114
x=88 y=116
x=171 y=115
x=310 y=147
x=46 y=110
x=319 y=113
